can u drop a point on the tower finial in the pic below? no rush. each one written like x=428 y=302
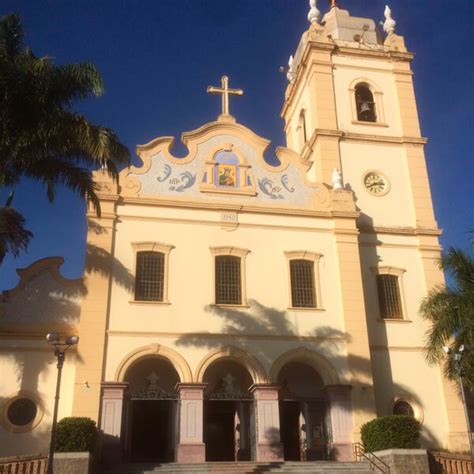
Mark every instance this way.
x=390 y=23
x=314 y=14
x=333 y=4
x=291 y=75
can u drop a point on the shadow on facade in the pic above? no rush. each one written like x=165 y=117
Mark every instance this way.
x=245 y=326
x=41 y=305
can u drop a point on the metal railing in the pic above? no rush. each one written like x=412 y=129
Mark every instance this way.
x=362 y=454
x=450 y=463
x=24 y=465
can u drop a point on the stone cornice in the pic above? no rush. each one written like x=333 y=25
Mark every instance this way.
x=373 y=53
x=205 y=335
x=212 y=206
x=364 y=137
x=400 y=230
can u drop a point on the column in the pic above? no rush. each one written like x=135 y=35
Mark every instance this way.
x=191 y=448
x=268 y=446
x=111 y=422
x=340 y=416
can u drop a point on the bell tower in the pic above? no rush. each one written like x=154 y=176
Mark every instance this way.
x=350 y=105
x=350 y=109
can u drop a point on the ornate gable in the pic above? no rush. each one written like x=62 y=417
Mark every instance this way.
x=225 y=163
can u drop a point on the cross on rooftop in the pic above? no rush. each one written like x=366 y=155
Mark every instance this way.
x=225 y=92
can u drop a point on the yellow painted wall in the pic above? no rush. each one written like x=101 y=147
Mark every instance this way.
x=32 y=368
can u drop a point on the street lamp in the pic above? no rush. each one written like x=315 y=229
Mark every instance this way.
x=60 y=348
x=457 y=357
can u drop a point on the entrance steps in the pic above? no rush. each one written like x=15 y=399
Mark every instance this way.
x=326 y=467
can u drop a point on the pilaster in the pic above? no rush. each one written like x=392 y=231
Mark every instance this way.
x=191 y=448
x=420 y=186
x=95 y=306
x=111 y=421
x=340 y=413
x=353 y=306
x=406 y=99
x=268 y=446
x=314 y=91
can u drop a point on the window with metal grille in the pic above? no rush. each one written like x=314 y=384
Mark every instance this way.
x=228 y=280
x=149 y=281
x=390 y=301
x=302 y=284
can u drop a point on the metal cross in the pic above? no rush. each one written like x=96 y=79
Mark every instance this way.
x=225 y=92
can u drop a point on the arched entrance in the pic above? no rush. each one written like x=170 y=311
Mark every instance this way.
x=303 y=421
x=152 y=410
x=228 y=408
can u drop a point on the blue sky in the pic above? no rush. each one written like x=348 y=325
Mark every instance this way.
x=157 y=58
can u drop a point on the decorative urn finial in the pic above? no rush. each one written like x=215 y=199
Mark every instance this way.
x=314 y=14
x=291 y=75
x=390 y=23
x=337 y=179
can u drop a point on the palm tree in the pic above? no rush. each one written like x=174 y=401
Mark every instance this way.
x=41 y=137
x=450 y=309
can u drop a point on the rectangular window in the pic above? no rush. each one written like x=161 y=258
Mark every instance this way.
x=149 y=281
x=302 y=284
x=390 y=301
x=228 y=280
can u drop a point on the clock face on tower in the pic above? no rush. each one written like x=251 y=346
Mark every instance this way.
x=376 y=183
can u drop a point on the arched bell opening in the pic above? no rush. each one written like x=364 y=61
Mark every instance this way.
x=228 y=407
x=152 y=410
x=303 y=413
x=365 y=103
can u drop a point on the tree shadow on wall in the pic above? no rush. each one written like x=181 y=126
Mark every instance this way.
x=248 y=328
x=45 y=307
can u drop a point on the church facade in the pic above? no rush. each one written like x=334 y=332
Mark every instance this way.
x=235 y=308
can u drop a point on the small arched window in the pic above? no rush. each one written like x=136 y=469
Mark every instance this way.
x=302 y=128
x=402 y=407
x=365 y=103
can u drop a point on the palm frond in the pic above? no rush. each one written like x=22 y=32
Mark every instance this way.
x=14 y=238
x=41 y=137
x=11 y=35
x=460 y=265
x=53 y=172
x=450 y=310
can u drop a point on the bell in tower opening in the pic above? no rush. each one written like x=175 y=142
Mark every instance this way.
x=365 y=104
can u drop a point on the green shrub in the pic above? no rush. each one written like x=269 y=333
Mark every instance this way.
x=75 y=434
x=391 y=432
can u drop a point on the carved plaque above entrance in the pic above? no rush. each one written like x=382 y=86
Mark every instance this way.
x=153 y=391
x=229 y=389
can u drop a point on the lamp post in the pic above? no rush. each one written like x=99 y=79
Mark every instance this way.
x=457 y=357
x=60 y=348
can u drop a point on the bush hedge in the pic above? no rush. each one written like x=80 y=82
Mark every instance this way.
x=391 y=432
x=75 y=434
